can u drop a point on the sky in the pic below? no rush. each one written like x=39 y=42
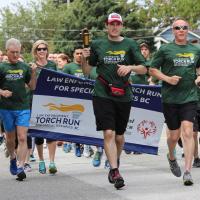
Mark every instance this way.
x=4 y=3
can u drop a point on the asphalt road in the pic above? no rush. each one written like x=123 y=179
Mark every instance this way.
x=147 y=177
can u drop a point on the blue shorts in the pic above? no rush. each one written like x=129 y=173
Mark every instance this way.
x=13 y=118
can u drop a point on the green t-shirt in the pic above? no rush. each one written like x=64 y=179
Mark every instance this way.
x=179 y=60
x=16 y=76
x=140 y=78
x=50 y=65
x=93 y=73
x=106 y=54
x=73 y=69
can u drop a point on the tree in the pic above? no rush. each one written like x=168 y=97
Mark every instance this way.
x=162 y=12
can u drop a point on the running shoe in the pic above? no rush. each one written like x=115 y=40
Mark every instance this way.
x=32 y=158
x=67 y=147
x=187 y=178
x=107 y=165
x=115 y=178
x=27 y=167
x=196 y=162
x=174 y=167
x=52 y=168
x=86 y=151
x=13 y=166
x=127 y=151
x=42 y=167
x=20 y=174
x=1 y=140
x=78 y=151
x=97 y=159
x=91 y=151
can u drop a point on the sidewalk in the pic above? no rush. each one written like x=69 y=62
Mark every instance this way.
x=147 y=177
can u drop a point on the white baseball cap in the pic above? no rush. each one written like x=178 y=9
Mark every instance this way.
x=114 y=17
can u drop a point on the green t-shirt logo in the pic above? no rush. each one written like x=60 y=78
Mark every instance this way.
x=184 y=59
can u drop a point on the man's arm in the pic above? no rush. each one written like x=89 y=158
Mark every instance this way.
x=84 y=61
x=197 y=81
x=33 y=80
x=5 y=93
x=125 y=69
x=173 y=80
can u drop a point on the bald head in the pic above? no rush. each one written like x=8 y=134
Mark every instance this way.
x=180 y=22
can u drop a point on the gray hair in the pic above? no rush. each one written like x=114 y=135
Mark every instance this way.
x=13 y=42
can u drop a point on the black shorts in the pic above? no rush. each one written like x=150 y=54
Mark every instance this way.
x=111 y=114
x=40 y=141
x=176 y=113
x=196 y=126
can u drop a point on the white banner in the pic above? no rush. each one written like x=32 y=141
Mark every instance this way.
x=62 y=110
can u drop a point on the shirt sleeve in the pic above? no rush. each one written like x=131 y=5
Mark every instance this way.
x=66 y=69
x=93 y=59
x=158 y=59
x=138 y=58
x=28 y=75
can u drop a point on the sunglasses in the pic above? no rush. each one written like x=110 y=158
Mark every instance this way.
x=181 y=27
x=41 y=49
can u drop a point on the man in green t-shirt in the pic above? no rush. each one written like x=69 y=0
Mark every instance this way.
x=142 y=78
x=14 y=104
x=74 y=68
x=178 y=64
x=115 y=57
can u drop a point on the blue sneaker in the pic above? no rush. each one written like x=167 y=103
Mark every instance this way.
x=97 y=159
x=78 y=151
x=107 y=165
x=42 y=167
x=20 y=174
x=52 y=168
x=67 y=147
x=13 y=166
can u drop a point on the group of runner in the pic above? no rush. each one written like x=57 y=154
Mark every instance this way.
x=114 y=61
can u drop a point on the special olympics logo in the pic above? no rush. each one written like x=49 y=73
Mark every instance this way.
x=146 y=128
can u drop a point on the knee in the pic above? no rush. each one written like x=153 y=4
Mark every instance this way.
x=22 y=139
x=109 y=135
x=187 y=135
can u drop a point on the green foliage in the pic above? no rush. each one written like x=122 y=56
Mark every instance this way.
x=60 y=23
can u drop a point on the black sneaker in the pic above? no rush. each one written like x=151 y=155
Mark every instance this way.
x=1 y=140
x=187 y=179
x=115 y=178
x=174 y=167
x=20 y=174
x=196 y=162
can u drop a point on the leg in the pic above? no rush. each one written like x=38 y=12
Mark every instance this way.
x=22 y=144
x=39 y=145
x=195 y=136
x=119 y=139
x=110 y=148
x=10 y=143
x=172 y=139
x=52 y=151
x=188 y=143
